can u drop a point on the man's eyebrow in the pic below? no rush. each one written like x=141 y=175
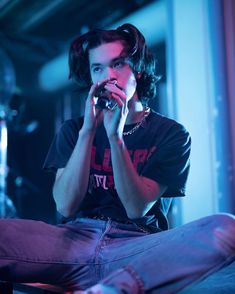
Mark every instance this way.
x=95 y=64
x=121 y=57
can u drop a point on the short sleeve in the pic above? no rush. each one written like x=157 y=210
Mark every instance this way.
x=62 y=145
x=169 y=163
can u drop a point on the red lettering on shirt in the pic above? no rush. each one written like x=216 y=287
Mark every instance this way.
x=106 y=180
x=106 y=162
x=139 y=157
x=93 y=157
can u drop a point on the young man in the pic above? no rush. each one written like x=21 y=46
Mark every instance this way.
x=117 y=169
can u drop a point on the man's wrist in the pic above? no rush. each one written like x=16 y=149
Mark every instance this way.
x=116 y=139
x=87 y=133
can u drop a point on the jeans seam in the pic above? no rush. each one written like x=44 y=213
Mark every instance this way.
x=137 y=278
x=97 y=259
x=133 y=254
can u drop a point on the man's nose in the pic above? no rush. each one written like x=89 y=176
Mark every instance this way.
x=111 y=73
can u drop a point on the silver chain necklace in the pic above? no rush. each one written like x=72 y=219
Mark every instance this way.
x=139 y=124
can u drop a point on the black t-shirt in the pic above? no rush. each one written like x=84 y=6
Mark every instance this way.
x=159 y=150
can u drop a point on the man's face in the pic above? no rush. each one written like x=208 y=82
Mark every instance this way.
x=108 y=61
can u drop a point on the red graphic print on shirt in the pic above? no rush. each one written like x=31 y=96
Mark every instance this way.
x=102 y=175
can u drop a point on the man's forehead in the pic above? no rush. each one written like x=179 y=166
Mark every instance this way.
x=106 y=52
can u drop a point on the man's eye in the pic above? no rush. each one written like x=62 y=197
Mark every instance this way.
x=118 y=64
x=96 y=69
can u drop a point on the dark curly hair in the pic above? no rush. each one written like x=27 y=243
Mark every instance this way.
x=141 y=59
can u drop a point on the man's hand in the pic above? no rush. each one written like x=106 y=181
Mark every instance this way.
x=225 y=239
x=114 y=120
x=92 y=115
x=100 y=289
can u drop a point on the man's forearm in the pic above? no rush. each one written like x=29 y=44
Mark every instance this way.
x=136 y=193
x=71 y=185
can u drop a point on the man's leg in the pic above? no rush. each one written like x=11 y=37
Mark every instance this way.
x=175 y=258
x=32 y=251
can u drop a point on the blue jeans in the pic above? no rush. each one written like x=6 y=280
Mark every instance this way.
x=87 y=251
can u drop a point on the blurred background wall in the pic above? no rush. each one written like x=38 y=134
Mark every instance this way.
x=194 y=43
